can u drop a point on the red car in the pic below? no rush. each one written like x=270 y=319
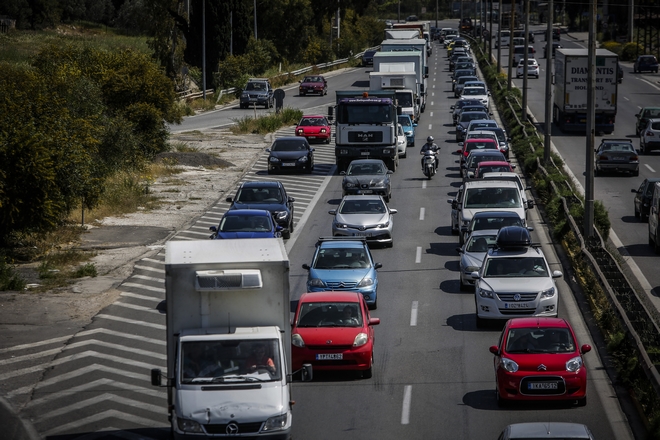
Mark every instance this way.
x=490 y=166
x=333 y=330
x=539 y=359
x=477 y=144
x=313 y=84
x=314 y=128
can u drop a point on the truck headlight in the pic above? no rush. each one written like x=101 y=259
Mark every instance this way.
x=297 y=340
x=365 y=282
x=360 y=340
x=574 y=364
x=187 y=425
x=275 y=423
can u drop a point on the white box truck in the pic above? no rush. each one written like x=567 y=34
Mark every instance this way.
x=570 y=90
x=406 y=56
x=402 y=78
x=228 y=339
x=402 y=34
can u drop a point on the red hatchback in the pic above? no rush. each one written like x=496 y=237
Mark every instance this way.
x=539 y=359
x=477 y=144
x=333 y=331
x=490 y=166
x=314 y=128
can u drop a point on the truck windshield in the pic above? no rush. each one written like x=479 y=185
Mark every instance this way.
x=376 y=113
x=228 y=361
x=404 y=99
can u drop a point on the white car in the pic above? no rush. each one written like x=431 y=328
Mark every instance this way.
x=401 y=141
x=515 y=280
x=472 y=255
x=477 y=92
x=649 y=138
x=532 y=68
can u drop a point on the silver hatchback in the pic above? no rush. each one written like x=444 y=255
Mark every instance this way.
x=365 y=216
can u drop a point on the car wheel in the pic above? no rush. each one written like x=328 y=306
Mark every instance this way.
x=286 y=235
x=405 y=154
x=582 y=402
x=635 y=173
x=464 y=287
x=369 y=372
x=373 y=306
x=390 y=244
x=269 y=171
x=309 y=169
x=637 y=213
x=327 y=141
x=481 y=323
x=500 y=402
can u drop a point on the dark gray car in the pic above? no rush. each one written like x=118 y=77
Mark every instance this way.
x=257 y=91
x=367 y=176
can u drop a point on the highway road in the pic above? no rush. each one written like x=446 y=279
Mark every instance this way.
x=433 y=375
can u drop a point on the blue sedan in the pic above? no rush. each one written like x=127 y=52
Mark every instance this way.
x=246 y=223
x=408 y=128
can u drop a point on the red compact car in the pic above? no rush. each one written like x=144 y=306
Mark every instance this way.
x=539 y=359
x=490 y=166
x=477 y=144
x=333 y=330
x=314 y=128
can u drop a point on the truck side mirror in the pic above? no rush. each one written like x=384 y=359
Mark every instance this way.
x=156 y=377
x=331 y=112
x=307 y=373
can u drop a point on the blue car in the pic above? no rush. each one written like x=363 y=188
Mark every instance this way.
x=246 y=223
x=408 y=128
x=344 y=264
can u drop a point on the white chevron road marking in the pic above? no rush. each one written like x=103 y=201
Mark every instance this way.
x=102 y=416
x=130 y=321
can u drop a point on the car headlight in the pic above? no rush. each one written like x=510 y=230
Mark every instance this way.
x=384 y=225
x=349 y=185
x=574 y=364
x=485 y=293
x=549 y=293
x=275 y=423
x=509 y=365
x=409 y=133
x=323 y=130
x=273 y=159
x=460 y=128
x=380 y=184
x=365 y=282
x=340 y=225
x=466 y=223
x=303 y=159
x=471 y=269
x=245 y=94
x=300 y=131
x=187 y=425
x=315 y=282
x=281 y=215
x=297 y=340
x=360 y=340
x=387 y=151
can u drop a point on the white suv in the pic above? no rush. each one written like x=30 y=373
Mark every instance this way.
x=649 y=138
x=515 y=280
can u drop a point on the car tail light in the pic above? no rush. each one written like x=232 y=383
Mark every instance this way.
x=604 y=158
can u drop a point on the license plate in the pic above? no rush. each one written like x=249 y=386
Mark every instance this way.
x=583 y=121
x=365 y=191
x=284 y=164
x=361 y=234
x=619 y=158
x=365 y=153
x=311 y=137
x=332 y=357
x=516 y=306
x=542 y=385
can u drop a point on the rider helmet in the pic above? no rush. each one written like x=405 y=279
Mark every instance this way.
x=429 y=139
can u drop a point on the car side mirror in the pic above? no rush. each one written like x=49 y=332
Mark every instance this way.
x=557 y=274
x=291 y=199
x=267 y=150
x=213 y=229
x=494 y=349
x=530 y=204
x=342 y=173
x=454 y=205
x=635 y=191
x=459 y=250
x=393 y=211
x=312 y=149
x=157 y=377
x=378 y=265
x=306 y=266
x=586 y=348
x=374 y=321
x=332 y=212
x=228 y=199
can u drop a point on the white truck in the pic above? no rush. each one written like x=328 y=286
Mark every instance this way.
x=570 y=90
x=399 y=56
x=402 y=78
x=228 y=339
x=402 y=34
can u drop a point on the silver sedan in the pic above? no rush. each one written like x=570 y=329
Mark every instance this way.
x=472 y=255
x=364 y=216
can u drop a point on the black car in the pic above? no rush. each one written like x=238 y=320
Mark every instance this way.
x=367 y=176
x=617 y=155
x=643 y=196
x=368 y=57
x=646 y=63
x=268 y=195
x=290 y=153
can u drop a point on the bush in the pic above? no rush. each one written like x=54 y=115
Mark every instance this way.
x=612 y=46
x=630 y=51
x=9 y=279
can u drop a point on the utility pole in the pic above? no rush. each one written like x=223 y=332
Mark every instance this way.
x=436 y=14
x=204 y=50
x=548 y=83
x=490 y=34
x=255 y=19
x=231 y=33
x=511 y=29
x=631 y=20
x=526 y=59
x=499 y=32
x=591 y=125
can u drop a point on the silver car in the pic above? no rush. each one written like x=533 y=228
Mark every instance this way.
x=472 y=255
x=546 y=430
x=367 y=176
x=364 y=216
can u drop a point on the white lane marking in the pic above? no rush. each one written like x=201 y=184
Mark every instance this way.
x=431 y=114
x=431 y=103
x=430 y=126
x=649 y=83
x=423 y=184
x=413 y=314
x=626 y=98
x=433 y=94
x=418 y=255
x=405 y=410
x=422 y=211
x=647 y=166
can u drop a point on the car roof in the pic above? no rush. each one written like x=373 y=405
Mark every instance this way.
x=262 y=184
x=331 y=296
x=537 y=321
x=342 y=244
x=313 y=116
x=480 y=183
x=290 y=138
x=362 y=161
x=487 y=163
x=247 y=212
x=548 y=430
x=496 y=214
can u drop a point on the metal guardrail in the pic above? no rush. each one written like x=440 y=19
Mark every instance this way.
x=189 y=95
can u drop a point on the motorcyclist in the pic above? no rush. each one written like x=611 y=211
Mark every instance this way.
x=430 y=146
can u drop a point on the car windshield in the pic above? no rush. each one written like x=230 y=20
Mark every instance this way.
x=480 y=243
x=492 y=198
x=516 y=267
x=313 y=122
x=255 y=86
x=289 y=145
x=259 y=195
x=364 y=169
x=405 y=121
x=365 y=206
x=312 y=79
x=323 y=314
x=470 y=116
x=617 y=148
x=481 y=146
x=540 y=340
x=494 y=169
x=245 y=223
x=223 y=361
x=341 y=258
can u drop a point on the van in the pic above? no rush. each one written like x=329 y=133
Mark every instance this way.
x=654 y=225
x=519 y=53
x=503 y=38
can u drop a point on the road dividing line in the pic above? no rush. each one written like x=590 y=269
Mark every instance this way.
x=651 y=169
x=431 y=103
x=422 y=211
x=430 y=127
x=413 y=314
x=405 y=411
x=431 y=114
x=418 y=255
x=424 y=184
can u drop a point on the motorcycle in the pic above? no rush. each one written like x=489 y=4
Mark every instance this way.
x=429 y=164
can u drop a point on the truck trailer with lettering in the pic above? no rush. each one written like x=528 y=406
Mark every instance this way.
x=570 y=90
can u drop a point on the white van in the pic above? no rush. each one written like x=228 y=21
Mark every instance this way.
x=519 y=53
x=654 y=225
x=503 y=38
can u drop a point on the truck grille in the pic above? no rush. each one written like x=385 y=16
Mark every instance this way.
x=221 y=428
x=365 y=136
